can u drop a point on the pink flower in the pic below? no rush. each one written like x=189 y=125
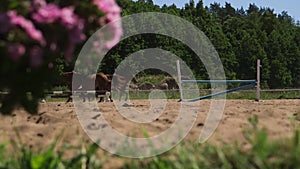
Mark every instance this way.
x=113 y=16
x=110 y=8
x=16 y=51
x=107 y=6
x=35 y=34
x=76 y=36
x=76 y=27
x=117 y=34
x=36 y=56
x=50 y=13
x=112 y=11
x=47 y=14
x=68 y=18
x=28 y=26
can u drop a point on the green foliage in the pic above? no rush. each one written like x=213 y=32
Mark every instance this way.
x=50 y=158
x=241 y=36
x=153 y=79
x=262 y=153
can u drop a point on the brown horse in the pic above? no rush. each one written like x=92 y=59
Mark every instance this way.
x=102 y=85
x=95 y=82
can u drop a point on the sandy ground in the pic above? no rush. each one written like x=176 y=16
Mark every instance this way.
x=59 y=119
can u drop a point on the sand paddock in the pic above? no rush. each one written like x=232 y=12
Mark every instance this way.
x=60 y=119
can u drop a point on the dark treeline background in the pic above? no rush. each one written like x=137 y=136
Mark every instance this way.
x=241 y=36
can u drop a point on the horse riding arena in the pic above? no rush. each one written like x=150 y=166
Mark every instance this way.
x=59 y=120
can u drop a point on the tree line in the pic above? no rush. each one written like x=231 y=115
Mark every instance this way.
x=240 y=36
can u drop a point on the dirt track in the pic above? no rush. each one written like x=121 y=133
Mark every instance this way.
x=55 y=118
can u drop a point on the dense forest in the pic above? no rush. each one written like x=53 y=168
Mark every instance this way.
x=240 y=36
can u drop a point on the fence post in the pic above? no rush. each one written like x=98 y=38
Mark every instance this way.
x=258 y=80
x=179 y=80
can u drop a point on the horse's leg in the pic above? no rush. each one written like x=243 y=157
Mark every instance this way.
x=69 y=99
x=101 y=98
x=126 y=96
x=83 y=97
x=111 y=100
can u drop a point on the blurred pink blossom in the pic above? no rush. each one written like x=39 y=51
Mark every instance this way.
x=76 y=35
x=39 y=3
x=36 y=56
x=107 y=6
x=28 y=26
x=113 y=16
x=117 y=34
x=16 y=51
x=69 y=18
x=76 y=30
x=112 y=11
x=50 y=13
x=47 y=14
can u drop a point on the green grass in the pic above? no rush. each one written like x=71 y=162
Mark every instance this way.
x=243 y=95
x=264 y=95
x=56 y=99
x=247 y=95
x=153 y=79
x=49 y=158
x=262 y=153
x=60 y=88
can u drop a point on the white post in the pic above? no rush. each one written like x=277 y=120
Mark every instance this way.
x=258 y=80
x=179 y=80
